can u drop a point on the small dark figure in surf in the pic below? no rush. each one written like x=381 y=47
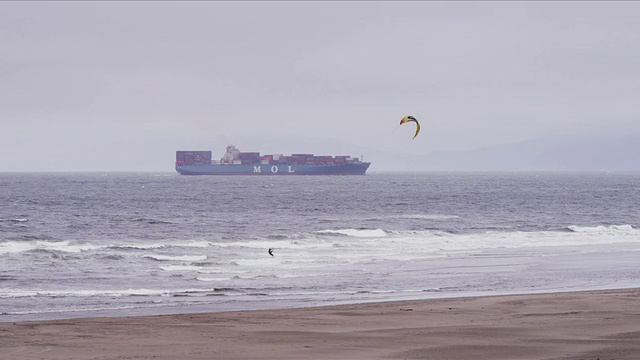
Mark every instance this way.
x=271 y=252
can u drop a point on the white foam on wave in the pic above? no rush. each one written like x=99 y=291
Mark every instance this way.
x=424 y=233
x=180 y=268
x=94 y=293
x=363 y=233
x=210 y=279
x=219 y=269
x=426 y=216
x=177 y=257
x=265 y=244
x=13 y=247
x=257 y=277
x=429 y=244
x=146 y=246
x=598 y=235
x=601 y=228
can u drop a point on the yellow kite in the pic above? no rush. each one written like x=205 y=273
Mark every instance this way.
x=411 y=118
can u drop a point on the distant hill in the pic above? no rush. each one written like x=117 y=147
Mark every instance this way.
x=620 y=153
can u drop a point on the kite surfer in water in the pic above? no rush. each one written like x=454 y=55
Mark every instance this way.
x=271 y=251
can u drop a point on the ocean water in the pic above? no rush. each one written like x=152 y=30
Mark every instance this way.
x=92 y=244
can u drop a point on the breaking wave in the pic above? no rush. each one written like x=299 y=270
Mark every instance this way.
x=13 y=247
x=144 y=246
x=601 y=228
x=426 y=216
x=177 y=257
x=361 y=233
x=94 y=293
x=16 y=220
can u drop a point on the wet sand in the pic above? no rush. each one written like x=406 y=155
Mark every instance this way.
x=591 y=325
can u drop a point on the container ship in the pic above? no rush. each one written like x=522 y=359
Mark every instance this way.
x=235 y=162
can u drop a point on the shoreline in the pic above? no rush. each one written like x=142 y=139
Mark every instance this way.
x=214 y=308
x=589 y=324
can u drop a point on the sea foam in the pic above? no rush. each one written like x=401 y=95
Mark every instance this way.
x=364 y=233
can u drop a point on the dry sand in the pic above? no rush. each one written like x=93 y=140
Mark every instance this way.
x=593 y=325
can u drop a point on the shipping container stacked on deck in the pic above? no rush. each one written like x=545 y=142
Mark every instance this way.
x=254 y=158
x=283 y=160
x=193 y=158
x=266 y=160
x=249 y=158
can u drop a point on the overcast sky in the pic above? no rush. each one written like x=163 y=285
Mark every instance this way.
x=123 y=85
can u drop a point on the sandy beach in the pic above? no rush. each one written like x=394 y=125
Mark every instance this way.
x=594 y=325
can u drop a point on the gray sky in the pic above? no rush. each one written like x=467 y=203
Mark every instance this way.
x=122 y=86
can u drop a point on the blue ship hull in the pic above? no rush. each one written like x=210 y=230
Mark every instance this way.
x=237 y=169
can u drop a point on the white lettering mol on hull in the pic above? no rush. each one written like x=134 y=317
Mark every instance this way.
x=274 y=169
